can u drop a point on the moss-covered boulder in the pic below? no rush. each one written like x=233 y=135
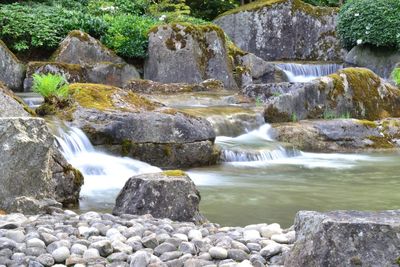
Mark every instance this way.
x=340 y=135
x=127 y=124
x=115 y=74
x=352 y=92
x=381 y=60
x=80 y=48
x=183 y=53
x=284 y=29
x=34 y=176
x=12 y=71
x=151 y=87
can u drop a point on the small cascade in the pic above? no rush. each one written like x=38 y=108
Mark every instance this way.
x=306 y=72
x=101 y=171
x=33 y=100
x=257 y=145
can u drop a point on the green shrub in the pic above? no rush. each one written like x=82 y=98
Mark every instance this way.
x=50 y=86
x=374 y=22
x=128 y=34
x=210 y=9
x=396 y=76
x=24 y=26
x=331 y=3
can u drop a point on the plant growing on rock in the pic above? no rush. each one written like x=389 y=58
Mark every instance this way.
x=396 y=76
x=50 y=86
x=370 y=22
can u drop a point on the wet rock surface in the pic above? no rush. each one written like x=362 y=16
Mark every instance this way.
x=95 y=239
x=346 y=238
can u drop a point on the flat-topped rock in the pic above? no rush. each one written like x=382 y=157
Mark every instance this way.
x=346 y=238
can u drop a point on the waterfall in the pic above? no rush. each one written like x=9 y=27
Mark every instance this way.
x=306 y=72
x=32 y=100
x=100 y=170
x=257 y=145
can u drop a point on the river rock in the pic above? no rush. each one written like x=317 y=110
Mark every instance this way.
x=188 y=53
x=151 y=87
x=346 y=238
x=284 y=29
x=381 y=60
x=32 y=183
x=12 y=71
x=353 y=92
x=115 y=74
x=10 y=104
x=131 y=125
x=339 y=135
x=80 y=48
x=171 y=194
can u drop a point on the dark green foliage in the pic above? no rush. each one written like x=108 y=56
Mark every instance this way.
x=370 y=22
x=210 y=9
x=128 y=34
x=331 y=3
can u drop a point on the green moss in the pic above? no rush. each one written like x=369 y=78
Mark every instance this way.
x=338 y=86
x=367 y=123
x=175 y=173
x=272 y=114
x=126 y=147
x=380 y=142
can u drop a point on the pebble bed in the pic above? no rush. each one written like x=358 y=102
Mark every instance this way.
x=95 y=239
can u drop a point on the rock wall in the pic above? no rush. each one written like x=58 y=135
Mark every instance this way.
x=188 y=54
x=12 y=71
x=284 y=30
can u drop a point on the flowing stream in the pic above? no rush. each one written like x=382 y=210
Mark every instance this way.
x=306 y=72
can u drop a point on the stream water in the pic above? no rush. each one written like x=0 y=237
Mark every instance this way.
x=297 y=72
x=258 y=179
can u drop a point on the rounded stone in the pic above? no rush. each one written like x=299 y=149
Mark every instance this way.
x=78 y=249
x=60 y=254
x=46 y=259
x=35 y=242
x=91 y=253
x=218 y=253
x=195 y=235
x=16 y=235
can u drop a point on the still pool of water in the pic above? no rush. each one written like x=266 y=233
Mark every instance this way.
x=245 y=193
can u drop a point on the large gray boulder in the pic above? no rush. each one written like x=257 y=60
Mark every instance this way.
x=381 y=60
x=189 y=54
x=10 y=104
x=353 y=92
x=339 y=135
x=80 y=48
x=115 y=74
x=346 y=238
x=284 y=29
x=33 y=173
x=12 y=71
x=171 y=194
x=127 y=124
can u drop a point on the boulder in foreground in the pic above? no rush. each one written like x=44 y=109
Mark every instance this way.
x=346 y=238
x=171 y=194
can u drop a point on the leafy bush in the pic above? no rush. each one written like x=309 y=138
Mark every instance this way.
x=25 y=27
x=50 y=86
x=396 y=76
x=331 y=3
x=128 y=34
x=370 y=22
x=210 y=9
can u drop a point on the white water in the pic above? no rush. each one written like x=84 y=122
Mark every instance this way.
x=101 y=171
x=258 y=149
x=307 y=72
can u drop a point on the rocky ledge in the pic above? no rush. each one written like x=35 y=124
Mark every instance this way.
x=93 y=239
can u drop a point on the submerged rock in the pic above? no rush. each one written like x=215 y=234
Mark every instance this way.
x=170 y=194
x=340 y=135
x=127 y=124
x=284 y=29
x=352 y=92
x=381 y=60
x=80 y=48
x=33 y=173
x=115 y=74
x=188 y=54
x=346 y=238
x=12 y=71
